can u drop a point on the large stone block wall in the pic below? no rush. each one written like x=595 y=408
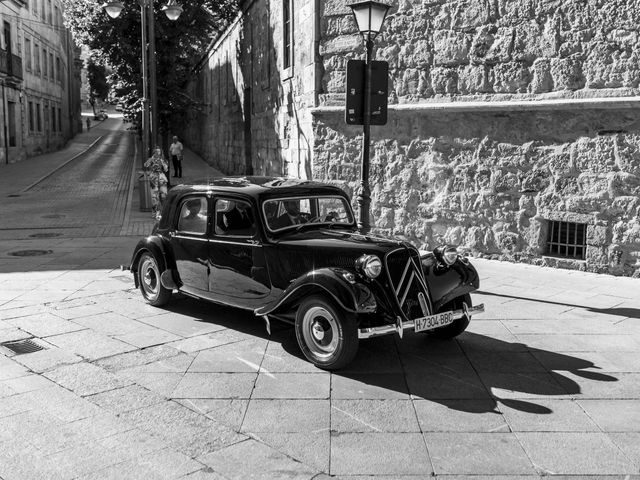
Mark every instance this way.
x=490 y=181
x=492 y=48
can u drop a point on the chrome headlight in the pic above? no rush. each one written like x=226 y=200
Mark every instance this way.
x=370 y=265
x=446 y=254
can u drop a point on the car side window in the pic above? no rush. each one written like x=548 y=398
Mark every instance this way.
x=234 y=218
x=193 y=216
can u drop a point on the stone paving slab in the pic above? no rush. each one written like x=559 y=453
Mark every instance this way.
x=258 y=461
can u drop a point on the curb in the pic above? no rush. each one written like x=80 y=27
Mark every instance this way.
x=129 y=205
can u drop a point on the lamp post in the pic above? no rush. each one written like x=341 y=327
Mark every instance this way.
x=172 y=10
x=369 y=16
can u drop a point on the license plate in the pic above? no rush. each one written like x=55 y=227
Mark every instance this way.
x=433 y=321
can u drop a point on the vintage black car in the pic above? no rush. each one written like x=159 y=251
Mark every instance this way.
x=290 y=250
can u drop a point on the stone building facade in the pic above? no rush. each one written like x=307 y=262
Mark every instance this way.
x=513 y=132
x=39 y=73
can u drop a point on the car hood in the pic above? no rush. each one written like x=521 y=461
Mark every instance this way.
x=339 y=240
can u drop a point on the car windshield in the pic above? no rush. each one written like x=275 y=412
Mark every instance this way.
x=284 y=213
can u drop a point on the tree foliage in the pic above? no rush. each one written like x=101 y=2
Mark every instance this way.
x=98 y=86
x=179 y=46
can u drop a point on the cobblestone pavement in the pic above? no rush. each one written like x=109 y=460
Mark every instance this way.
x=545 y=383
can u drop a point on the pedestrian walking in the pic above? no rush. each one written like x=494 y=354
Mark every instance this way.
x=175 y=150
x=158 y=181
x=88 y=124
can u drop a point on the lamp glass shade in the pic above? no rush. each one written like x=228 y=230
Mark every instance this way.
x=369 y=16
x=113 y=9
x=172 y=11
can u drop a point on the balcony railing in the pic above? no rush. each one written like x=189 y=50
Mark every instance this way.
x=10 y=64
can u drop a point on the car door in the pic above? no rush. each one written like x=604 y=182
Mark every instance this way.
x=191 y=244
x=238 y=274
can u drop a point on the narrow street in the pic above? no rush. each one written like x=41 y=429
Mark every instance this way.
x=90 y=189
x=545 y=382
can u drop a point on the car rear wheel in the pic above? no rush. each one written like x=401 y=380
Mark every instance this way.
x=327 y=337
x=149 y=278
x=458 y=326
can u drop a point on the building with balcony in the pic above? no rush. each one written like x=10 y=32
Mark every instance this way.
x=513 y=127
x=39 y=80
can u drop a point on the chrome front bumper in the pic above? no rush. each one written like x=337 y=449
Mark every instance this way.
x=401 y=326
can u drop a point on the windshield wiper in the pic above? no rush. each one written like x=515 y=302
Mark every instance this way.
x=311 y=220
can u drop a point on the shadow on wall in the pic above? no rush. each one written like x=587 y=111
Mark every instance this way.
x=238 y=130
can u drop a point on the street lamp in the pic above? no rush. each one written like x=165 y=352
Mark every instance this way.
x=369 y=16
x=172 y=10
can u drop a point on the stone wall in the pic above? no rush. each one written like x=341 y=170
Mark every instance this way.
x=256 y=115
x=490 y=179
x=492 y=48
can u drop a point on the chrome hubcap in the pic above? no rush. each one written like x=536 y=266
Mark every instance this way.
x=320 y=332
x=150 y=276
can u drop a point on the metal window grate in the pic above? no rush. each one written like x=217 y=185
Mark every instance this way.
x=567 y=239
x=22 y=346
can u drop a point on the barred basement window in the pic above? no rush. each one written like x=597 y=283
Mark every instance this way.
x=567 y=239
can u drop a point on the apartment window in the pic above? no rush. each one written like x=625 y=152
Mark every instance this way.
x=51 y=65
x=36 y=59
x=7 y=37
x=38 y=117
x=567 y=239
x=27 y=54
x=58 y=68
x=31 y=120
x=54 y=127
x=59 y=120
x=35 y=7
x=287 y=33
x=45 y=69
x=49 y=13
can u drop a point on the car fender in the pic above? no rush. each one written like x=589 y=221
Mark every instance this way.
x=156 y=246
x=351 y=295
x=449 y=282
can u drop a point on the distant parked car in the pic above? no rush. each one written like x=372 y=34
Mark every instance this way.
x=101 y=115
x=290 y=250
x=118 y=108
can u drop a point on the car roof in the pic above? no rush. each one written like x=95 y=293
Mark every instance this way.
x=259 y=187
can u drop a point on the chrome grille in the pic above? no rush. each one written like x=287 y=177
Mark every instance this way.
x=406 y=281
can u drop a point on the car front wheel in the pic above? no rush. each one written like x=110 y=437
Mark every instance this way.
x=458 y=326
x=149 y=278
x=327 y=336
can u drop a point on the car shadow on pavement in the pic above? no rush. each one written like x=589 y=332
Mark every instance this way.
x=625 y=312
x=472 y=373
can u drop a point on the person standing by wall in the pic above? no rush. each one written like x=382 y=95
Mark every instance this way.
x=88 y=124
x=175 y=150
x=158 y=181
